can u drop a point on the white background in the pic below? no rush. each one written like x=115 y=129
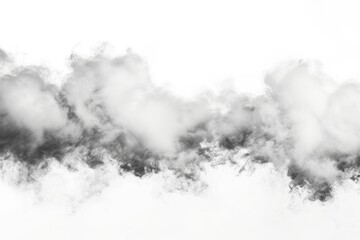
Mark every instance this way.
x=189 y=45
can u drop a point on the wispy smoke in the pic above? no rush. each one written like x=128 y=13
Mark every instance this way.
x=107 y=112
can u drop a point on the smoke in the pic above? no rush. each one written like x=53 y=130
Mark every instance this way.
x=107 y=115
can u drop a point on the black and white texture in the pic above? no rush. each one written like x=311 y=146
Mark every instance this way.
x=107 y=114
x=229 y=119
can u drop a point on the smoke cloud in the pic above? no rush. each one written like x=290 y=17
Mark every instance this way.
x=107 y=117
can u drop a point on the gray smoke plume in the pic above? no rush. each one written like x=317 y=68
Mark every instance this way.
x=108 y=111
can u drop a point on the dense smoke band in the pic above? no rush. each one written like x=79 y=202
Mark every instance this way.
x=108 y=110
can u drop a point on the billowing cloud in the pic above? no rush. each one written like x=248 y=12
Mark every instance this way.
x=108 y=112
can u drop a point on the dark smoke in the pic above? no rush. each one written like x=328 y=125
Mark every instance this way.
x=107 y=109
